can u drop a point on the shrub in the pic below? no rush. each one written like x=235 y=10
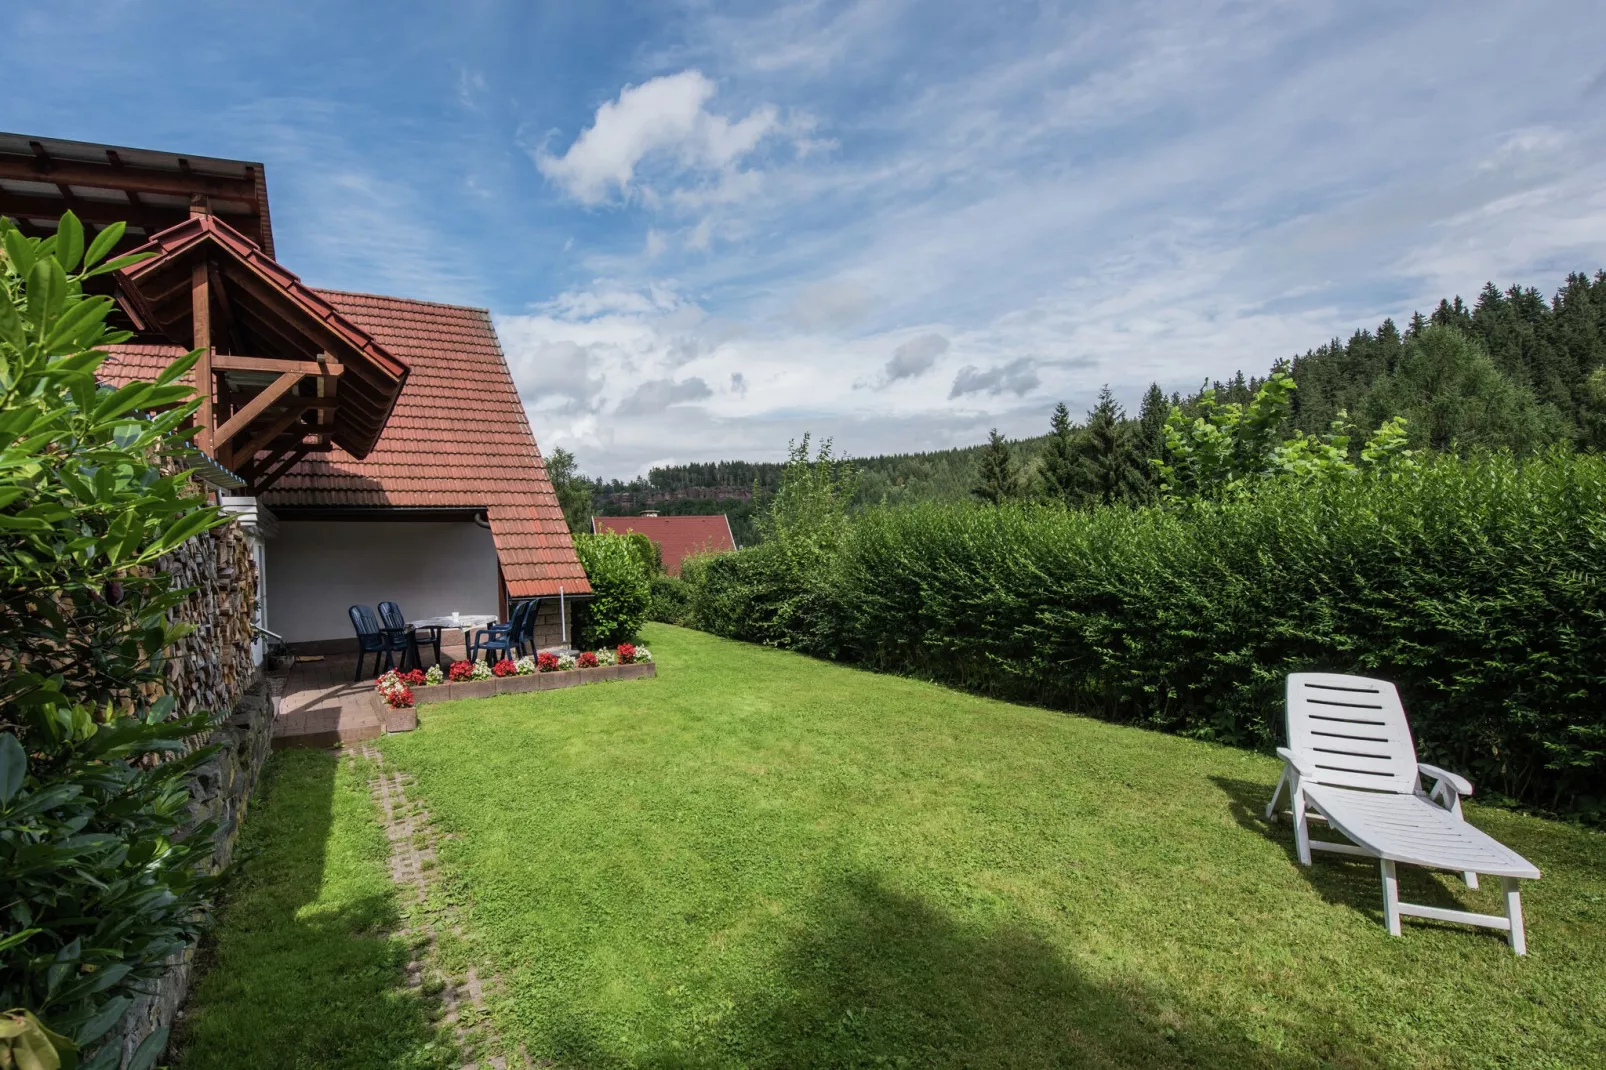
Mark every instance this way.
x=619 y=586
x=670 y=601
x=1475 y=585
x=100 y=874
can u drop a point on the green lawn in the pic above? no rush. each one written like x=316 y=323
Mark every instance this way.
x=301 y=973
x=762 y=860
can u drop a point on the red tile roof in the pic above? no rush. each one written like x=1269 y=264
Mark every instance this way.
x=457 y=438
x=678 y=537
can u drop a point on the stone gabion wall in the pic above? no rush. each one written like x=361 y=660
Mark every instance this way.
x=210 y=668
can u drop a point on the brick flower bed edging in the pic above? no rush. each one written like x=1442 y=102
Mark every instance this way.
x=541 y=681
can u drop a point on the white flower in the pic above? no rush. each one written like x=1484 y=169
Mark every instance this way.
x=434 y=675
x=525 y=666
x=607 y=657
x=566 y=662
x=482 y=671
x=643 y=654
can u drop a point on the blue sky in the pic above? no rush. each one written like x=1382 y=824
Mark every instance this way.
x=705 y=229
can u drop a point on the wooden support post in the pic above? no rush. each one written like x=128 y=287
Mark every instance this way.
x=201 y=309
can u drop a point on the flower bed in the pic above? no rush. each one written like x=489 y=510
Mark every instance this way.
x=545 y=671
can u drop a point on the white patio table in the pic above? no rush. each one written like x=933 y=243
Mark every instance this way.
x=464 y=622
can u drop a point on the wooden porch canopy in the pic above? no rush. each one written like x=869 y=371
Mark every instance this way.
x=283 y=374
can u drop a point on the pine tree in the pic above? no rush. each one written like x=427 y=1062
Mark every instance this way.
x=1106 y=464
x=1057 y=479
x=1150 y=442
x=997 y=479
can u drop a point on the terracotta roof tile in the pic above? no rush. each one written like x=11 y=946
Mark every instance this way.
x=678 y=537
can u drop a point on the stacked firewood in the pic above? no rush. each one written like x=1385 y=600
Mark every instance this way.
x=211 y=667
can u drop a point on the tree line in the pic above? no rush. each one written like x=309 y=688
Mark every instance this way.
x=1513 y=370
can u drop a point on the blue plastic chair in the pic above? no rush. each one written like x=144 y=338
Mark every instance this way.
x=391 y=617
x=527 y=637
x=506 y=639
x=374 y=639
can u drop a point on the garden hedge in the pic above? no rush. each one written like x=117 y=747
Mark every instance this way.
x=1475 y=585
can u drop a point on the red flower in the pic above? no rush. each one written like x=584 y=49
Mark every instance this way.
x=415 y=677
x=587 y=660
x=398 y=698
x=546 y=661
x=504 y=668
x=626 y=652
x=460 y=670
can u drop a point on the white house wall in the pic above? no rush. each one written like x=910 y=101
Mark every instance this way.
x=318 y=568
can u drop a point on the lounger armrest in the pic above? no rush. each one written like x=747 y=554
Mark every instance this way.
x=1302 y=765
x=1461 y=784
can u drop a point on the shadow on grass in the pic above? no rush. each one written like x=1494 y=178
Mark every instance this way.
x=877 y=978
x=1341 y=879
x=300 y=971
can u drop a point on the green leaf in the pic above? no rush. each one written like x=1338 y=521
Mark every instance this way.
x=146 y=1054
x=105 y=1018
x=103 y=243
x=12 y=331
x=183 y=364
x=121 y=262
x=19 y=251
x=77 y=321
x=16 y=938
x=13 y=768
x=47 y=292
x=69 y=241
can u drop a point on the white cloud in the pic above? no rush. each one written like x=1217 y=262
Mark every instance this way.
x=665 y=117
x=915 y=357
x=1018 y=377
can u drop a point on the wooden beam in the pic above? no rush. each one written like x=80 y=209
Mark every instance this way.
x=38 y=206
x=256 y=407
x=233 y=362
x=272 y=475
x=299 y=408
x=201 y=319
x=139 y=179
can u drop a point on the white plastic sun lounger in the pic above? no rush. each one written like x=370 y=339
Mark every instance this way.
x=1351 y=762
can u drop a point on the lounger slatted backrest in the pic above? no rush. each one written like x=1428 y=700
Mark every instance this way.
x=1353 y=730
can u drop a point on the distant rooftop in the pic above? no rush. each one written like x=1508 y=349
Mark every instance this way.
x=42 y=177
x=678 y=537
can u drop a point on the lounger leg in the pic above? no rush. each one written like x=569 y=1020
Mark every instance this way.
x=1301 y=828
x=1271 y=807
x=1391 y=898
x=1471 y=878
x=1519 y=938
